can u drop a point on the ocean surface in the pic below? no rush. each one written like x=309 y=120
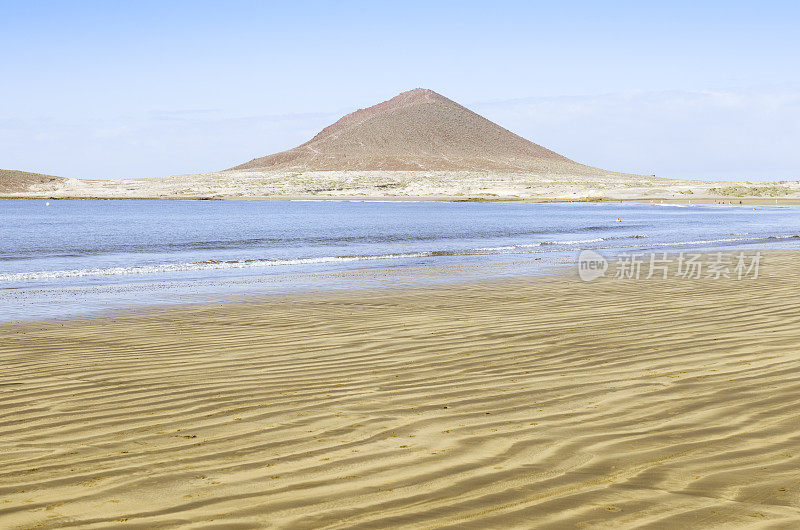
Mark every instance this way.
x=70 y=258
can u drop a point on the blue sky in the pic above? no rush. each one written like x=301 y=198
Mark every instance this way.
x=130 y=89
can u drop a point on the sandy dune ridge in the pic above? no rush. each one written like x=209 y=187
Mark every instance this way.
x=528 y=402
x=410 y=185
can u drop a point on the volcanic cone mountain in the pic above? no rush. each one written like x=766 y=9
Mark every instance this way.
x=418 y=130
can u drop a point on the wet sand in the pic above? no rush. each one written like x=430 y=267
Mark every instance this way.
x=514 y=403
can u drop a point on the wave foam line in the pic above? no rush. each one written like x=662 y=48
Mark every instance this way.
x=722 y=240
x=198 y=266
x=543 y=243
x=256 y=263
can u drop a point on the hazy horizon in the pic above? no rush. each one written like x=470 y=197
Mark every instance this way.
x=110 y=91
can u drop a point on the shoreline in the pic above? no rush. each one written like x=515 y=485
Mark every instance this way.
x=726 y=201
x=471 y=186
x=386 y=280
x=651 y=402
x=390 y=281
x=393 y=280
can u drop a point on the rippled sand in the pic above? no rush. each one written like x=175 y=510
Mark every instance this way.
x=544 y=402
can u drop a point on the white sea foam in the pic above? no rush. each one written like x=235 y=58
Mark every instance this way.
x=256 y=263
x=575 y=241
x=699 y=242
x=541 y=243
x=197 y=266
x=491 y=249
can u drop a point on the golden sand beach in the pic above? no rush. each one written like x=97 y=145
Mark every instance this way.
x=517 y=403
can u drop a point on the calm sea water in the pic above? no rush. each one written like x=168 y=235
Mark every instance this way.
x=78 y=257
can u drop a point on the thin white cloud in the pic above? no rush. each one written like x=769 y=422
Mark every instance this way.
x=737 y=134
x=734 y=134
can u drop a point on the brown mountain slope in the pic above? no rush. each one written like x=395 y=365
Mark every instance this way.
x=12 y=181
x=414 y=131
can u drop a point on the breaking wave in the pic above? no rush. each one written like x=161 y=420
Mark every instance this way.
x=553 y=246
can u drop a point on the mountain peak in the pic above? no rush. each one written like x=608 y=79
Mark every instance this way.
x=417 y=130
x=419 y=95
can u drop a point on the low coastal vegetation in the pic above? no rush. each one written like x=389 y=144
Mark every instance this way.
x=752 y=191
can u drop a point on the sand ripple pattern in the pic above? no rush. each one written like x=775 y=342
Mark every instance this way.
x=524 y=403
